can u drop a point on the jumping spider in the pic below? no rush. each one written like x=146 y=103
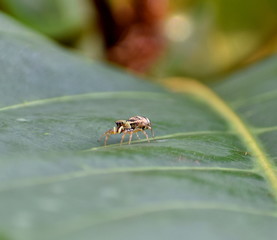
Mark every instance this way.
x=132 y=125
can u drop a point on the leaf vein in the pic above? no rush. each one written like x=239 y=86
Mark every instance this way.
x=84 y=222
x=197 y=89
x=90 y=172
x=84 y=96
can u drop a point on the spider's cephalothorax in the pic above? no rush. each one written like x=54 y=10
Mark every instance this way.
x=130 y=126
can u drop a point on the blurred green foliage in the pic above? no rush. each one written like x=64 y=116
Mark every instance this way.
x=221 y=34
x=59 y=19
x=204 y=39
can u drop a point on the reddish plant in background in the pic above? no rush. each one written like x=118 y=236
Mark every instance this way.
x=132 y=35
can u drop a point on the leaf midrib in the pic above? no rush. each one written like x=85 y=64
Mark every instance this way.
x=236 y=124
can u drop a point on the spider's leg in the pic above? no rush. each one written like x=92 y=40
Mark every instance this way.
x=137 y=135
x=130 y=138
x=123 y=136
x=101 y=137
x=152 y=132
x=145 y=135
x=106 y=139
x=107 y=134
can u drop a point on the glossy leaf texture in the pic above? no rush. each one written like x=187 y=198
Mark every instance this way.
x=210 y=172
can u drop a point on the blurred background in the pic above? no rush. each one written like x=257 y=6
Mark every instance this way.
x=158 y=38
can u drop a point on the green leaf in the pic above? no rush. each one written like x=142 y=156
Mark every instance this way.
x=56 y=18
x=209 y=173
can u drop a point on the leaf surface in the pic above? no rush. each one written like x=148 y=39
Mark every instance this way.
x=209 y=173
